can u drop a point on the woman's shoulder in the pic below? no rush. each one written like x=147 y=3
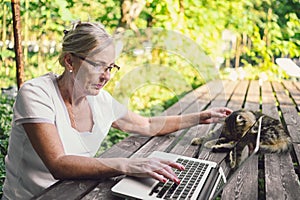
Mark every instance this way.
x=45 y=81
x=43 y=85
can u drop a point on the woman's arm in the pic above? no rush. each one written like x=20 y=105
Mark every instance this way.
x=161 y=125
x=46 y=142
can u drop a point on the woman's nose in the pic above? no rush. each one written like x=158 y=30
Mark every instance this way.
x=105 y=75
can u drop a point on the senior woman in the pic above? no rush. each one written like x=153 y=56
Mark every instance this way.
x=60 y=121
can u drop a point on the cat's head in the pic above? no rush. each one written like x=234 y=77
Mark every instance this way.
x=238 y=122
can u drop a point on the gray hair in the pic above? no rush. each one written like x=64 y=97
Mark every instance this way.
x=84 y=38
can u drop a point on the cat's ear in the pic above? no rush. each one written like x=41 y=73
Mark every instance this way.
x=257 y=113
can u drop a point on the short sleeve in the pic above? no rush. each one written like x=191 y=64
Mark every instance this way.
x=33 y=105
x=119 y=109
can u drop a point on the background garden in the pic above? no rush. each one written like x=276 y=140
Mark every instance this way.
x=236 y=39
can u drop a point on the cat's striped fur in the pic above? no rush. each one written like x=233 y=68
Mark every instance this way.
x=273 y=139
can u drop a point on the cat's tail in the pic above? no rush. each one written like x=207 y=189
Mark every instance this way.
x=282 y=145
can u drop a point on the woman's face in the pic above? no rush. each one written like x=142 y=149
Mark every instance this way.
x=91 y=74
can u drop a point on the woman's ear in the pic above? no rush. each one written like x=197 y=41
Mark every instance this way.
x=68 y=61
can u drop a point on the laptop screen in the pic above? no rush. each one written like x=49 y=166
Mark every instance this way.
x=242 y=153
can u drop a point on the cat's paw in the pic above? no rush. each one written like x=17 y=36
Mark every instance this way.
x=197 y=141
x=232 y=160
x=211 y=145
x=218 y=146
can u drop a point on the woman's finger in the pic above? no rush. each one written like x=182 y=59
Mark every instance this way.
x=173 y=164
x=166 y=173
x=158 y=177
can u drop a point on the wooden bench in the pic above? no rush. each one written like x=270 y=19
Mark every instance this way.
x=269 y=176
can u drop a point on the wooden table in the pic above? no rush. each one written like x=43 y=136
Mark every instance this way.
x=270 y=176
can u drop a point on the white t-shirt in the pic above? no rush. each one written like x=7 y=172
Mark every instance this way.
x=39 y=100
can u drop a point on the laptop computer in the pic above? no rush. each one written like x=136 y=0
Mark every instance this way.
x=201 y=179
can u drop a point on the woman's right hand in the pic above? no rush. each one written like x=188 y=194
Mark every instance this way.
x=156 y=168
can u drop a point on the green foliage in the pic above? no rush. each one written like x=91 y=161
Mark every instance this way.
x=114 y=136
x=6 y=104
x=269 y=28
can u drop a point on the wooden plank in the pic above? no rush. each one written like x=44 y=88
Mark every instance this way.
x=102 y=191
x=268 y=108
x=292 y=121
x=242 y=186
x=253 y=96
x=225 y=95
x=214 y=89
x=68 y=190
x=294 y=91
x=281 y=181
x=292 y=118
x=184 y=147
x=193 y=97
x=269 y=101
x=297 y=85
x=289 y=112
x=237 y=100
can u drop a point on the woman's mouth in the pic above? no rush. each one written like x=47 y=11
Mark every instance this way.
x=99 y=86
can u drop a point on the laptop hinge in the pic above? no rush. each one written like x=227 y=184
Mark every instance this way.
x=208 y=187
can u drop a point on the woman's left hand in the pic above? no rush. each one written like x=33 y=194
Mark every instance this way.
x=214 y=115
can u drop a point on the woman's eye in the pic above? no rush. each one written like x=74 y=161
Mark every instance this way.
x=109 y=69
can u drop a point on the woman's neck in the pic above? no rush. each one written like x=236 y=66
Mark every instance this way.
x=68 y=92
x=80 y=114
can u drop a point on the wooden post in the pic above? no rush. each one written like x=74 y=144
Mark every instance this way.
x=18 y=45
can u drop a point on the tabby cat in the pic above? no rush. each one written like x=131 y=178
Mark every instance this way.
x=273 y=136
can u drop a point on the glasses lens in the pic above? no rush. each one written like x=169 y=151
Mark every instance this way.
x=102 y=69
x=113 y=70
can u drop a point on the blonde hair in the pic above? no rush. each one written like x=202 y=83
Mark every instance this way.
x=83 y=38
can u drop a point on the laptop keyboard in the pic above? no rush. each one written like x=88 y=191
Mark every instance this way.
x=190 y=179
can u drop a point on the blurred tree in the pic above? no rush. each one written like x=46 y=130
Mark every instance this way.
x=130 y=10
x=18 y=40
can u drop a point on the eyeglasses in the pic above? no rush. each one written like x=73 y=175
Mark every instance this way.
x=101 y=67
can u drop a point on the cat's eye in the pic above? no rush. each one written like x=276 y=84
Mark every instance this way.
x=254 y=129
x=239 y=118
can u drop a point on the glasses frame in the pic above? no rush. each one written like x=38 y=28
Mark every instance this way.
x=106 y=68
